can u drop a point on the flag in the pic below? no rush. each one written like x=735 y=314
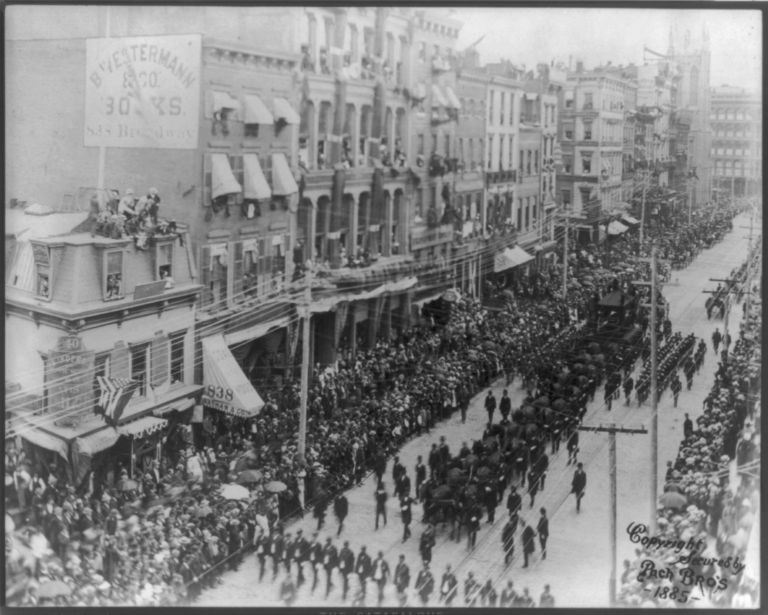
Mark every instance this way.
x=115 y=394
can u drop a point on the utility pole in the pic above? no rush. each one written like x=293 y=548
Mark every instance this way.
x=305 y=365
x=642 y=210
x=749 y=262
x=654 y=388
x=655 y=399
x=565 y=258
x=612 y=430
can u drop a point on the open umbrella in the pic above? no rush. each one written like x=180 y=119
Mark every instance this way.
x=175 y=492
x=203 y=511
x=234 y=492
x=53 y=589
x=518 y=416
x=542 y=402
x=128 y=485
x=560 y=404
x=529 y=412
x=483 y=472
x=275 y=486
x=672 y=499
x=470 y=460
x=442 y=492
x=594 y=347
x=455 y=475
x=531 y=430
x=489 y=346
x=246 y=477
x=674 y=486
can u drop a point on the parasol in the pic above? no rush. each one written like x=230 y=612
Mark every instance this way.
x=275 y=486
x=672 y=499
x=246 y=477
x=442 y=492
x=128 y=485
x=52 y=589
x=234 y=492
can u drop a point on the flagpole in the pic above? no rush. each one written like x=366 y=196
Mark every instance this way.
x=101 y=194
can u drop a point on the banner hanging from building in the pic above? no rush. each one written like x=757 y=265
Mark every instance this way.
x=143 y=91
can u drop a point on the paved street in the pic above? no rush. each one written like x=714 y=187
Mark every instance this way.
x=578 y=562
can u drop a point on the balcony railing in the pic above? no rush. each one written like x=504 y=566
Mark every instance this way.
x=498 y=177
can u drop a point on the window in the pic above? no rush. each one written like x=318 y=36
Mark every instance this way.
x=566 y=196
x=140 y=366
x=586 y=164
x=569 y=134
x=533 y=209
x=587 y=131
x=214 y=262
x=519 y=214
x=164 y=261
x=528 y=157
x=501 y=108
x=447 y=142
x=588 y=103
x=113 y=278
x=420 y=144
x=42 y=256
x=422 y=51
x=536 y=161
x=177 y=356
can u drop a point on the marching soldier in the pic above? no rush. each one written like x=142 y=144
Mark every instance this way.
x=398 y=470
x=508 y=595
x=543 y=529
x=380 y=574
x=340 y=509
x=276 y=550
x=405 y=513
x=421 y=476
x=473 y=514
x=471 y=590
x=346 y=565
x=508 y=537
x=402 y=580
x=300 y=554
x=425 y=584
x=315 y=558
x=330 y=560
x=363 y=569
x=261 y=542
x=528 y=542
x=381 y=500
x=490 y=502
x=448 y=586
x=490 y=405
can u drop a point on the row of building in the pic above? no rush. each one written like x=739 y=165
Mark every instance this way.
x=355 y=150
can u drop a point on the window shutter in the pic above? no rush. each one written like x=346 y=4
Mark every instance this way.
x=205 y=274
x=237 y=271
x=159 y=359
x=120 y=361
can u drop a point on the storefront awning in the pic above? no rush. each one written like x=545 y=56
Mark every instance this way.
x=438 y=100
x=256 y=111
x=328 y=304
x=143 y=427
x=256 y=186
x=510 y=257
x=256 y=331
x=453 y=100
x=284 y=111
x=222 y=100
x=43 y=439
x=422 y=302
x=225 y=386
x=617 y=228
x=629 y=219
x=222 y=179
x=98 y=441
x=283 y=183
x=179 y=406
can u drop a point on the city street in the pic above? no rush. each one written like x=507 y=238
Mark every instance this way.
x=578 y=564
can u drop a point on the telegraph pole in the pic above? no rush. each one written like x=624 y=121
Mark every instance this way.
x=612 y=430
x=642 y=210
x=655 y=399
x=305 y=364
x=565 y=258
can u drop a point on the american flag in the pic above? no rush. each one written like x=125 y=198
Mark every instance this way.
x=115 y=394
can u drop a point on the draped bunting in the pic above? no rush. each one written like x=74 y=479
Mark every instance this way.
x=342 y=311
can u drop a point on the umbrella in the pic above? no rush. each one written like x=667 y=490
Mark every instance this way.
x=470 y=460
x=275 y=486
x=249 y=476
x=674 y=486
x=529 y=411
x=489 y=346
x=441 y=492
x=203 y=511
x=531 y=430
x=672 y=499
x=128 y=485
x=455 y=475
x=234 y=492
x=174 y=492
x=542 y=402
x=560 y=404
x=484 y=472
x=518 y=416
x=594 y=348
x=52 y=589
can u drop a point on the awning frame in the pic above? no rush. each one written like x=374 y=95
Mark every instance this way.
x=283 y=182
x=255 y=184
x=223 y=180
x=453 y=100
x=226 y=388
x=256 y=112
x=284 y=111
x=438 y=100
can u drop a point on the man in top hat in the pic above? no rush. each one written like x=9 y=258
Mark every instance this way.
x=405 y=512
x=346 y=565
x=340 y=509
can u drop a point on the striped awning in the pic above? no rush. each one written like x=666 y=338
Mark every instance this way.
x=283 y=182
x=98 y=441
x=143 y=427
x=438 y=100
x=453 y=100
x=177 y=406
x=256 y=111
x=284 y=111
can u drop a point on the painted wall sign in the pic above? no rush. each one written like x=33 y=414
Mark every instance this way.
x=143 y=91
